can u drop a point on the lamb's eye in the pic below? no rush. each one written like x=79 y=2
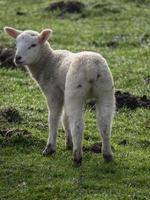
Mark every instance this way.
x=33 y=45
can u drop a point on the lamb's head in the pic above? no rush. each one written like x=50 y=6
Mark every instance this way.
x=28 y=44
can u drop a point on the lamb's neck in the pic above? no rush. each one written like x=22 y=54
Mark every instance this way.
x=38 y=69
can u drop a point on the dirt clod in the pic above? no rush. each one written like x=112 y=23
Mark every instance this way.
x=95 y=148
x=20 y=13
x=16 y=132
x=11 y=115
x=125 y=99
x=66 y=6
x=7 y=57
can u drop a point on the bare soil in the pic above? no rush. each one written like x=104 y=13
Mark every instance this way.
x=125 y=99
x=66 y=7
x=95 y=148
x=16 y=132
x=11 y=115
x=7 y=58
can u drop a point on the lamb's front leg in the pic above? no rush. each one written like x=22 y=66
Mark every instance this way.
x=53 y=118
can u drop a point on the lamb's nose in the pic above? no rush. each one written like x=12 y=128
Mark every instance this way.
x=18 y=58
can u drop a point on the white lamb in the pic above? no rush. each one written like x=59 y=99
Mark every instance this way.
x=67 y=79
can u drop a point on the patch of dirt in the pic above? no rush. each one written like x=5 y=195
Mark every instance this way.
x=16 y=132
x=11 y=115
x=21 y=138
x=66 y=7
x=20 y=13
x=127 y=100
x=145 y=39
x=95 y=148
x=7 y=57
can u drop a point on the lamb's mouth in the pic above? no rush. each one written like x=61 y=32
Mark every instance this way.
x=19 y=63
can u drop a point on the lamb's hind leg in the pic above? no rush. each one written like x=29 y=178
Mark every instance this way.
x=65 y=121
x=74 y=111
x=53 y=119
x=105 y=111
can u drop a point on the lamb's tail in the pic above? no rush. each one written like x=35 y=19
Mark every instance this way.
x=92 y=74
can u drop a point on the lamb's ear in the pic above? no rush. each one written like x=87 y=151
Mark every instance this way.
x=44 y=35
x=12 y=32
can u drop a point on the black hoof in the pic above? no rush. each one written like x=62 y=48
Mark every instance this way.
x=108 y=157
x=77 y=162
x=48 y=150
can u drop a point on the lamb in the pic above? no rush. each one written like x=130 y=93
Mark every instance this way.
x=67 y=80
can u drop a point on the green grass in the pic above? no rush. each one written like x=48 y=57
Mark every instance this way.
x=24 y=172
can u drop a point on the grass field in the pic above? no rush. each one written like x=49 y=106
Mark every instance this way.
x=120 y=31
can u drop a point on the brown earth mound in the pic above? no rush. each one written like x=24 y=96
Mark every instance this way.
x=7 y=58
x=16 y=132
x=20 y=138
x=66 y=7
x=125 y=99
x=95 y=148
x=11 y=115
